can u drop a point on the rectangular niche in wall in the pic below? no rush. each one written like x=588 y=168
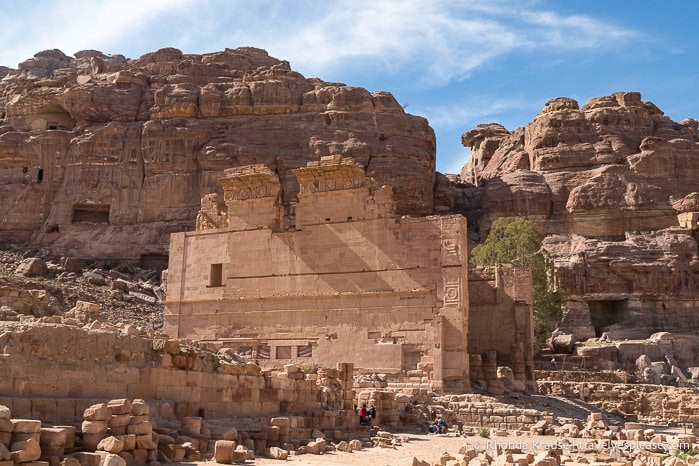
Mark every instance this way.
x=216 y=275
x=283 y=352
x=90 y=213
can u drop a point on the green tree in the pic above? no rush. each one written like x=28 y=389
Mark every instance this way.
x=516 y=241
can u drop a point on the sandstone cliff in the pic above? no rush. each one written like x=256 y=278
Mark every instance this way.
x=103 y=156
x=614 y=186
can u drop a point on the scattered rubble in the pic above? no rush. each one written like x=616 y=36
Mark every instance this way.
x=125 y=294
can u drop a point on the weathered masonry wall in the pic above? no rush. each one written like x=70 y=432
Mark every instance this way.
x=501 y=317
x=343 y=279
x=55 y=371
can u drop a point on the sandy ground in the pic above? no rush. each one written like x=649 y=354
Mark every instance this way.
x=426 y=447
x=421 y=446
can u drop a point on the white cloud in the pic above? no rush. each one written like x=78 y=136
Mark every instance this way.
x=432 y=41
x=440 y=41
x=471 y=111
x=77 y=25
x=455 y=162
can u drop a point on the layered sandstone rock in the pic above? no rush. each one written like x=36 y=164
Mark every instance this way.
x=613 y=185
x=103 y=156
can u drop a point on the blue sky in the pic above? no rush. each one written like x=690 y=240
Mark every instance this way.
x=457 y=63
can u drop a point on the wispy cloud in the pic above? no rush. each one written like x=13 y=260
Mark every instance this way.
x=455 y=162
x=472 y=110
x=29 y=27
x=439 y=41
x=433 y=41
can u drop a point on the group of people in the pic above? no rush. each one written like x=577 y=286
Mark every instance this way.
x=439 y=426
x=365 y=414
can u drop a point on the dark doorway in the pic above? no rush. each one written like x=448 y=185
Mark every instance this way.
x=606 y=313
x=89 y=213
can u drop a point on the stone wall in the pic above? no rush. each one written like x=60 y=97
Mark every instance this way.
x=649 y=402
x=54 y=371
x=21 y=301
x=501 y=320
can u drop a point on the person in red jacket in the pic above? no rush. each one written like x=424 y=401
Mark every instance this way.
x=364 y=416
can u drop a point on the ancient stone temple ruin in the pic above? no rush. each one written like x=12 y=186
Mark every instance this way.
x=337 y=276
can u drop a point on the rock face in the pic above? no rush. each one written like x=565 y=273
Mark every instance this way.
x=614 y=186
x=103 y=156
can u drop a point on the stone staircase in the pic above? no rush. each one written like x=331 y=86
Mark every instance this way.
x=569 y=408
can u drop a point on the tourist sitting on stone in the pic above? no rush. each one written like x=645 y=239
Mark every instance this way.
x=442 y=426
x=364 y=418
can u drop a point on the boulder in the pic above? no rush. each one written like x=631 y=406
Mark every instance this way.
x=316 y=447
x=563 y=343
x=278 y=453
x=32 y=267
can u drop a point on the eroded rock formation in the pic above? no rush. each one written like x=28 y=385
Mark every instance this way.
x=614 y=186
x=104 y=156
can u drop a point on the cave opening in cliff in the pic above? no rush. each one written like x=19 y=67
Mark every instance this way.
x=608 y=312
x=90 y=213
x=40 y=176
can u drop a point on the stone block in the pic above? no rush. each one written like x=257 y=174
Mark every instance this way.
x=139 y=419
x=4 y=453
x=110 y=459
x=24 y=451
x=119 y=420
x=53 y=436
x=191 y=425
x=48 y=451
x=21 y=436
x=95 y=427
x=97 y=412
x=230 y=434
x=139 y=408
x=86 y=458
x=140 y=455
x=5 y=425
x=120 y=406
x=278 y=453
x=36 y=463
x=128 y=457
x=44 y=409
x=272 y=433
x=129 y=441
x=118 y=430
x=6 y=438
x=223 y=451
x=70 y=461
x=26 y=426
x=241 y=456
x=142 y=428
x=145 y=442
x=316 y=447
x=21 y=408
x=5 y=412
x=65 y=410
x=111 y=444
